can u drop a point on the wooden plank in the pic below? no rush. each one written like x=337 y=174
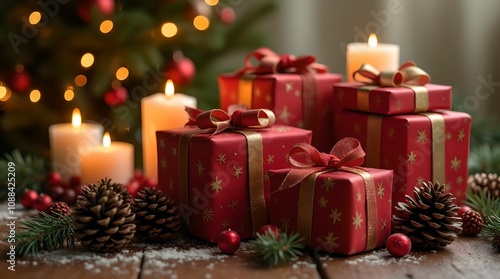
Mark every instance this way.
x=188 y=258
x=467 y=257
x=72 y=263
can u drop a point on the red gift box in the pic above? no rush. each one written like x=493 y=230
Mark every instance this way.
x=421 y=147
x=389 y=100
x=220 y=181
x=296 y=89
x=389 y=93
x=344 y=211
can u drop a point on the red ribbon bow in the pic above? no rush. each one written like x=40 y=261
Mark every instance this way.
x=220 y=120
x=272 y=63
x=307 y=160
x=408 y=73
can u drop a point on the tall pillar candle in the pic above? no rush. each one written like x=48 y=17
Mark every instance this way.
x=113 y=160
x=161 y=111
x=69 y=140
x=381 y=56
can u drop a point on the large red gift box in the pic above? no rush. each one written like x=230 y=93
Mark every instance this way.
x=392 y=92
x=299 y=98
x=420 y=147
x=220 y=181
x=344 y=211
x=391 y=100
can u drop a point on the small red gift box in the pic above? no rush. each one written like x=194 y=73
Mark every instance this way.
x=296 y=89
x=421 y=147
x=404 y=91
x=219 y=181
x=337 y=208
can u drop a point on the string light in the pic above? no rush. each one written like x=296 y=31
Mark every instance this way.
x=169 y=29
x=201 y=22
x=106 y=26
x=35 y=95
x=212 y=2
x=87 y=60
x=35 y=17
x=80 y=80
x=122 y=73
x=4 y=93
x=69 y=94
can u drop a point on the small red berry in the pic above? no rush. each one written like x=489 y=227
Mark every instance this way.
x=270 y=230
x=56 y=191
x=68 y=196
x=43 y=202
x=53 y=178
x=463 y=209
x=28 y=198
x=228 y=242
x=398 y=245
x=75 y=181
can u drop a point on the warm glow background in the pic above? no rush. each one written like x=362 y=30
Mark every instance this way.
x=455 y=41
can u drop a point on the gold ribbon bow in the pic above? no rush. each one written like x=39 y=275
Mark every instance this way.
x=220 y=120
x=408 y=73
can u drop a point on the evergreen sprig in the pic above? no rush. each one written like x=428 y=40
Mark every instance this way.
x=491 y=227
x=30 y=173
x=484 y=158
x=44 y=233
x=276 y=249
x=483 y=203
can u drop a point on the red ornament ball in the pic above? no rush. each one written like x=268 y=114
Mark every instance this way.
x=105 y=7
x=463 y=209
x=181 y=71
x=228 y=242
x=227 y=15
x=270 y=230
x=68 y=196
x=53 y=178
x=43 y=202
x=19 y=81
x=75 y=181
x=116 y=97
x=398 y=245
x=56 y=191
x=28 y=198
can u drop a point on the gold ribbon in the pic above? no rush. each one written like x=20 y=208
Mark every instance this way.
x=306 y=206
x=255 y=159
x=255 y=174
x=408 y=75
x=438 y=146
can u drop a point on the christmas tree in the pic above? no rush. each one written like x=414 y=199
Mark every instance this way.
x=103 y=56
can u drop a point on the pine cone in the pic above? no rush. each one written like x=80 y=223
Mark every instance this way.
x=119 y=188
x=488 y=183
x=430 y=220
x=157 y=219
x=472 y=223
x=60 y=208
x=103 y=220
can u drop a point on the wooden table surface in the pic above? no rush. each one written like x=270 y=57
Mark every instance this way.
x=467 y=257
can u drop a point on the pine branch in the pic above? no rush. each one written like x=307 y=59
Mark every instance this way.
x=44 y=232
x=483 y=203
x=30 y=173
x=278 y=249
x=484 y=158
x=491 y=227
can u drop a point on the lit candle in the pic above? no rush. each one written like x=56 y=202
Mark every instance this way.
x=69 y=140
x=161 y=111
x=381 y=56
x=113 y=160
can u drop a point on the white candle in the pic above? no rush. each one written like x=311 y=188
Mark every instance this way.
x=69 y=140
x=161 y=111
x=381 y=56
x=113 y=160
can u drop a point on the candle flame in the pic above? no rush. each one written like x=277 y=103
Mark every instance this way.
x=106 y=140
x=77 y=118
x=169 y=88
x=372 y=40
